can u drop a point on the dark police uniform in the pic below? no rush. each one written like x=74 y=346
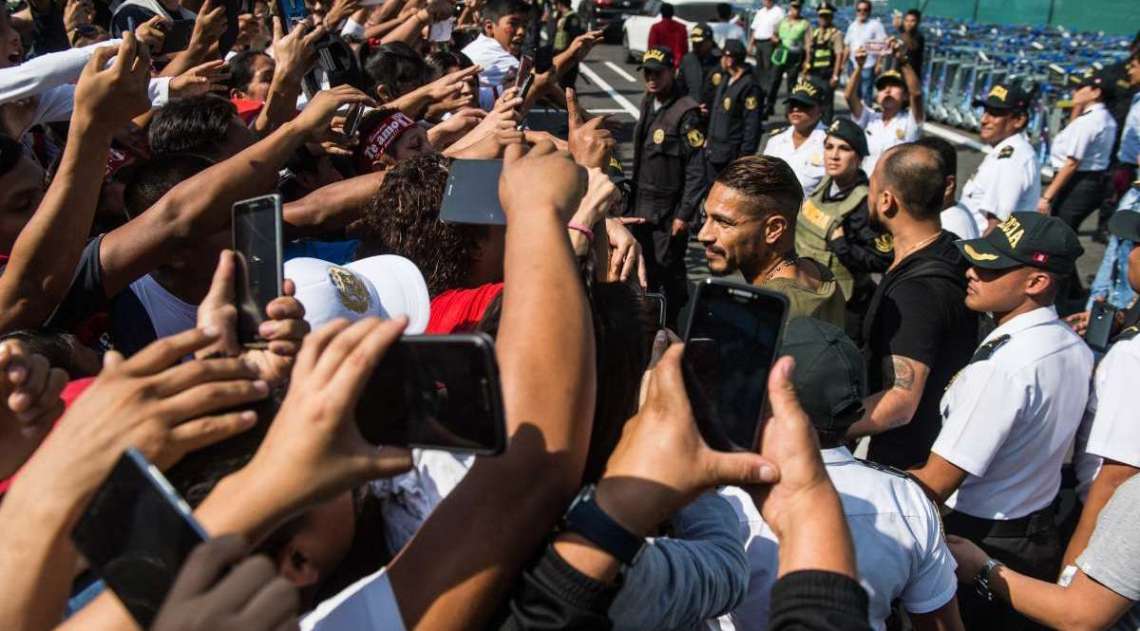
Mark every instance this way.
x=735 y=122
x=668 y=174
x=699 y=77
x=826 y=46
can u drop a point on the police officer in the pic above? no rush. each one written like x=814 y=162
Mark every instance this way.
x=1081 y=153
x=668 y=174
x=833 y=226
x=568 y=26
x=1008 y=180
x=824 y=47
x=1009 y=417
x=700 y=72
x=734 y=122
x=800 y=144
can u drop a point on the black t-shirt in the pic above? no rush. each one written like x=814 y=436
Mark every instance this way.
x=920 y=314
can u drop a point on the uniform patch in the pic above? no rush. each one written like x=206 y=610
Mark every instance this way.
x=716 y=78
x=900 y=134
x=658 y=136
x=751 y=103
x=884 y=243
x=349 y=289
x=727 y=104
x=815 y=215
x=696 y=138
x=816 y=159
x=1005 y=152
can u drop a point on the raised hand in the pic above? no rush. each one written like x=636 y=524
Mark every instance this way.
x=284 y=329
x=860 y=57
x=112 y=96
x=625 y=253
x=294 y=52
x=542 y=176
x=584 y=43
x=340 y=11
x=221 y=589
x=151 y=33
x=201 y=79
x=208 y=26
x=32 y=387
x=590 y=143
x=315 y=121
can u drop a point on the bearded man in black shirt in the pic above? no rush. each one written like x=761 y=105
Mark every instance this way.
x=918 y=331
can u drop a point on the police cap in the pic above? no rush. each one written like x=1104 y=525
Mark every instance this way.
x=830 y=378
x=1025 y=238
x=657 y=58
x=1005 y=96
x=846 y=130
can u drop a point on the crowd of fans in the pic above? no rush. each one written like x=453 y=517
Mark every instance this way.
x=921 y=325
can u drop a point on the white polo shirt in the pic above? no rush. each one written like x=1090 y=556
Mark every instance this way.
x=1007 y=181
x=1088 y=139
x=959 y=220
x=806 y=160
x=366 y=605
x=1009 y=420
x=1111 y=428
x=859 y=33
x=899 y=546
x=1129 y=152
x=765 y=21
x=882 y=135
x=496 y=61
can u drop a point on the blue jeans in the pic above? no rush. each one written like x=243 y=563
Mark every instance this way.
x=1111 y=281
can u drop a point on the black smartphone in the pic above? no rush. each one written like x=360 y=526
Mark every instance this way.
x=136 y=534
x=438 y=392
x=352 y=119
x=656 y=302
x=260 y=270
x=1101 y=318
x=472 y=193
x=731 y=341
x=177 y=36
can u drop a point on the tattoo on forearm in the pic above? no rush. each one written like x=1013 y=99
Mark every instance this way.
x=898 y=372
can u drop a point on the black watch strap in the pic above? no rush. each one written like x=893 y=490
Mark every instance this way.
x=586 y=518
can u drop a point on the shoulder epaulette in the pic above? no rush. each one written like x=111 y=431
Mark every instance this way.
x=1127 y=333
x=885 y=468
x=985 y=351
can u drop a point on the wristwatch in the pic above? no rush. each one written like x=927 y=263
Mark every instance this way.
x=982 y=583
x=586 y=518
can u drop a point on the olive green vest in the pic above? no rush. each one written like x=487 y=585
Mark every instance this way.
x=817 y=219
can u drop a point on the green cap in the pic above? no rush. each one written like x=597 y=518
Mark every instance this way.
x=830 y=377
x=1026 y=238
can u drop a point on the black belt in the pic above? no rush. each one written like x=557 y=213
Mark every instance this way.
x=976 y=528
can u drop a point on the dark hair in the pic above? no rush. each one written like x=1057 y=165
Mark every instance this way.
x=397 y=67
x=866 y=2
x=666 y=10
x=442 y=62
x=155 y=178
x=10 y=153
x=946 y=152
x=403 y=218
x=915 y=12
x=196 y=124
x=1135 y=56
x=913 y=172
x=723 y=11
x=768 y=182
x=496 y=10
x=241 y=68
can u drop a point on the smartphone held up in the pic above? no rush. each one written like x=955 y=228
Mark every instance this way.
x=257 y=242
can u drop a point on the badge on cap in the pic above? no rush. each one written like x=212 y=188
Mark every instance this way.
x=834 y=126
x=727 y=103
x=1005 y=152
x=978 y=256
x=751 y=103
x=658 y=136
x=716 y=78
x=696 y=138
x=1012 y=230
x=349 y=289
x=999 y=92
x=653 y=55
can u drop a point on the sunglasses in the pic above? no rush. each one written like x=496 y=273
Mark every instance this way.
x=862 y=10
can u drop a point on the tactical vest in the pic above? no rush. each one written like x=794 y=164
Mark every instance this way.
x=817 y=219
x=661 y=173
x=822 y=57
x=561 y=34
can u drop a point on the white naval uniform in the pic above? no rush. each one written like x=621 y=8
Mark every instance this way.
x=1009 y=420
x=1088 y=139
x=899 y=546
x=882 y=135
x=1110 y=428
x=806 y=160
x=1007 y=181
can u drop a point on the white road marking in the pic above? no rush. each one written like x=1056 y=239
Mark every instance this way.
x=628 y=107
x=622 y=73
x=592 y=110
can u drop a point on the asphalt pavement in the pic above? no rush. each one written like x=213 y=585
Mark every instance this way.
x=610 y=84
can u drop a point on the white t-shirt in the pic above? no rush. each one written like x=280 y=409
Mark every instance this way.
x=369 y=604
x=765 y=21
x=1088 y=138
x=882 y=135
x=1007 y=181
x=497 y=63
x=806 y=160
x=859 y=33
x=960 y=221
x=727 y=30
x=1009 y=420
x=898 y=540
x=169 y=314
x=1110 y=428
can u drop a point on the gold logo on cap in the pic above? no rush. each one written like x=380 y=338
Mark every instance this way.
x=658 y=136
x=615 y=164
x=806 y=88
x=1012 y=230
x=653 y=55
x=978 y=256
x=751 y=103
x=349 y=289
x=697 y=32
x=999 y=92
x=834 y=127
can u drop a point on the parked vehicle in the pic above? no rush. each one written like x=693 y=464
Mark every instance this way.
x=635 y=30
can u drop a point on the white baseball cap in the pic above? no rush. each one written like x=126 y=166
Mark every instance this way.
x=385 y=286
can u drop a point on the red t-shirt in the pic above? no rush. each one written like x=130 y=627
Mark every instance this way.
x=671 y=33
x=460 y=310
x=70 y=393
